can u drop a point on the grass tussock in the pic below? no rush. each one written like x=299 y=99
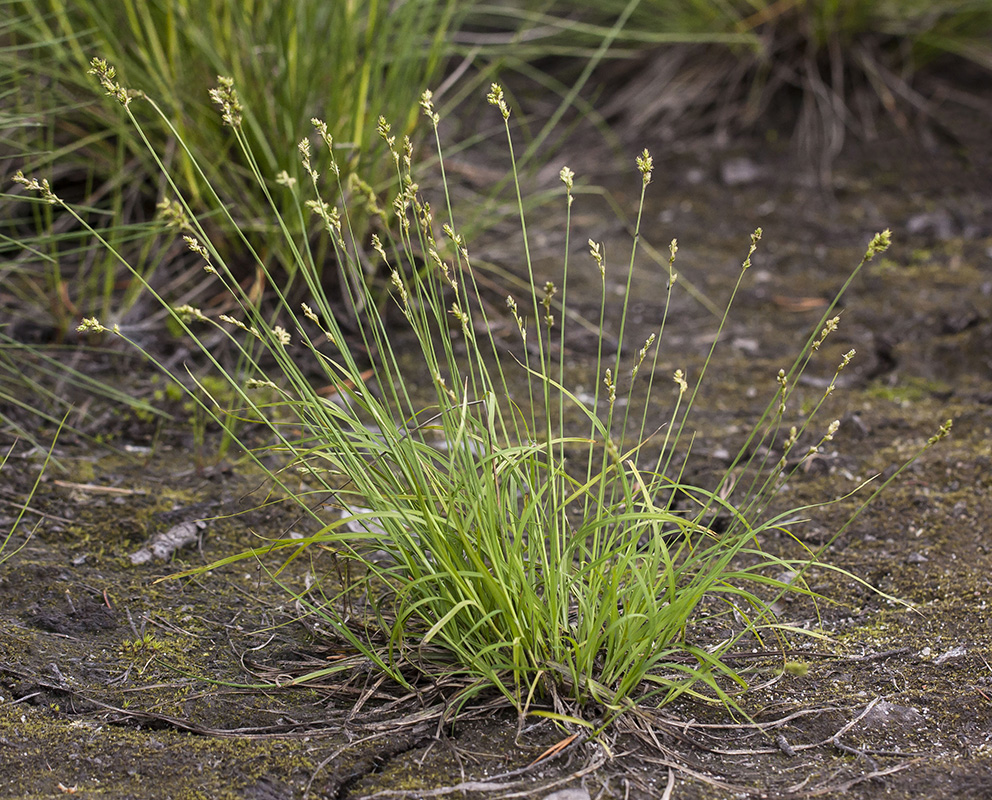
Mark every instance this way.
x=832 y=68
x=488 y=525
x=346 y=62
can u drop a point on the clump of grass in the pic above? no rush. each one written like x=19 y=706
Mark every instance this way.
x=349 y=62
x=842 y=65
x=495 y=529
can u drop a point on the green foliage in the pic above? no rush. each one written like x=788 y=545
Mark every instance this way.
x=696 y=64
x=918 y=30
x=346 y=62
x=143 y=645
x=569 y=28
x=350 y=62
x=483 y=540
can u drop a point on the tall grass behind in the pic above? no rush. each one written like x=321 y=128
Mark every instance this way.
x=922 y=30
x=346 y=62
x=722 y=64
x=841 y=67
x=470 y=538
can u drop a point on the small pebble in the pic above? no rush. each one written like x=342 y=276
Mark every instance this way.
x=739 y=171
x=568 y=794
x=954 y=652
x=885 y=714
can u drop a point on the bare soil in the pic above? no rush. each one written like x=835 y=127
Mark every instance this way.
x=115 y=685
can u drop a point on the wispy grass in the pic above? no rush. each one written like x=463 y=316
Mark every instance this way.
x=487 y=525
x=39 y=383
x=9 y=545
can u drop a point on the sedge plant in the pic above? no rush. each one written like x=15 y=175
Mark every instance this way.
x=499 y=529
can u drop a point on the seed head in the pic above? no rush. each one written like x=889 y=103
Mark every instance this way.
x=427 y=103
x=194 y=245
x=42 y=187
x=330 y=215
x=595 y=250
x=456 y=238
x=304 y=148
x=611 y=387
x=227 y=98
x=512 y=305
x=945 y=429
x=106 y=74
x=829 y=327
x=495 y=98
x=443 y=384
x=879 y=243
x=755 y=238
x=549 y=293
x=364 y=189
x=793 y=436
x=641 y=355
x=377 y=246
x=91 y=324
x=644 y=165
x=237 y=323
x=673 y=248
x=383 y=128
x=462 y=317
x=321 y=127
x=397 y=282
x=172 y=213
x=188 y=313
x=567 y=177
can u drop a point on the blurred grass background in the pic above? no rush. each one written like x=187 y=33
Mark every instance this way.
x=657 y=69
x=291 y=61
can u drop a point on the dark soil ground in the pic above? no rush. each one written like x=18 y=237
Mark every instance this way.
x=114 y=685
